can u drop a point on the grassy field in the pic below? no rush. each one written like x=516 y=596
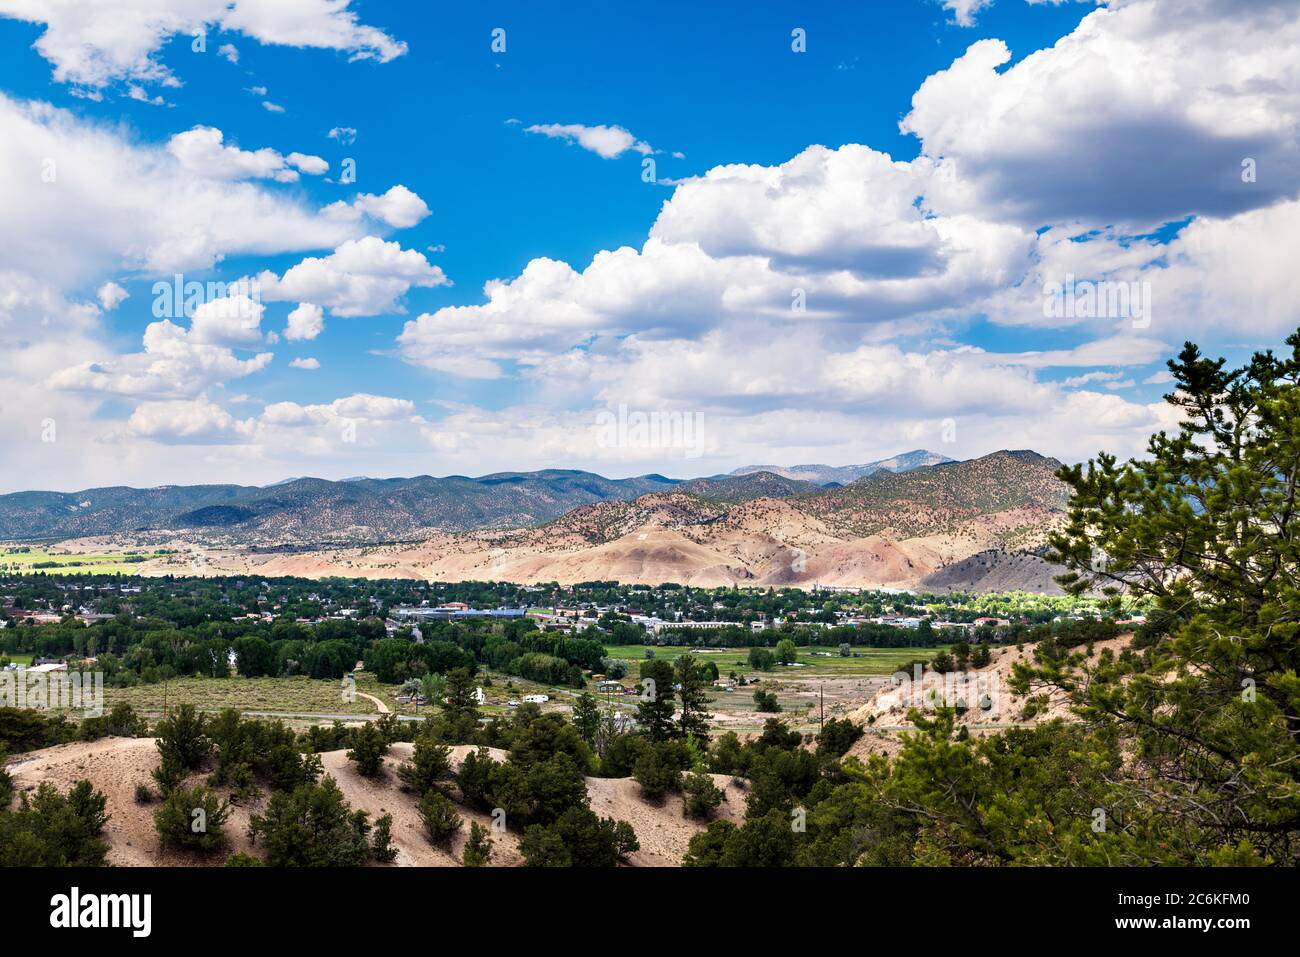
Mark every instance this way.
x=24 y=562
x=844 y=680
x=17 y=658
x=866 y=661
x=300 y=695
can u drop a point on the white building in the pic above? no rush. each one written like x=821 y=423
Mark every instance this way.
x=703 y=625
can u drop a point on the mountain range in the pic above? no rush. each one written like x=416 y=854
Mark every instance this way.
x=979 y=523
x=370 y=509
x=313 y=510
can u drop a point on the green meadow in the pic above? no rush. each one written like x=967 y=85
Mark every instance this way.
x=811 y=660
x=29 y=561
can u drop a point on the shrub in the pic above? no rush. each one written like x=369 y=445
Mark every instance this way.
x=441 y=820
x=727 y=756
x=429 y=765
x=182 y=738
x=381 y=844
x=121 y=722
x=837 y=736
x=312 y=826
x=766 y=841
x=49 y=829
x=579 y=839
x=249 y=747
x=369 y=745
x=478 y=849
x=542 y=846
x=475 y=777
x=701 y=795
x=621 y=754
x=659 y=768
x=192 y=819
x=765 y=701
x=240 y=859
x=551 y=788
x=706 y=848
x=24 y=730
x=169 y=775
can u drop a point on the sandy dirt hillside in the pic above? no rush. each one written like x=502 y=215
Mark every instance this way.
x=884 y=716
x=116 y=765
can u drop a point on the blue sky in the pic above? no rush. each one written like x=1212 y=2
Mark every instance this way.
x=924 y=233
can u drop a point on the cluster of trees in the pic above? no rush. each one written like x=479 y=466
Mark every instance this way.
x=51 y=829
x=132 y=650
x=314 y=826
x=306 y=823
x=541 y=791
x=783 y=779
x=964 y=655
x=22 y=729
x=197 y=618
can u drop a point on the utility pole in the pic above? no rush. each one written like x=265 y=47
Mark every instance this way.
x=822 y=720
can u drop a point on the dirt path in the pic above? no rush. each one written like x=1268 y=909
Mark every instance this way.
x=383 y=708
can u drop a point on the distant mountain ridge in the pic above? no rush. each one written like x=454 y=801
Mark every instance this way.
x=750 y=485
x=844 y=474
x=1002 y=499
x=977 y=524
x=318 y=510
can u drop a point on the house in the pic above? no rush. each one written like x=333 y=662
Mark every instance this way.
x=703 y=625
x=897 y=621
x=47 y=667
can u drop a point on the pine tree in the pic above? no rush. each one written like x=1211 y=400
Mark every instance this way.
x=586 y=718
x=478 y=849
x=381 y=842
x=1205 y=528
x=440 y=818
x=430 y=764
x=654 y=713
x=369 y=745
x=692 y=682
